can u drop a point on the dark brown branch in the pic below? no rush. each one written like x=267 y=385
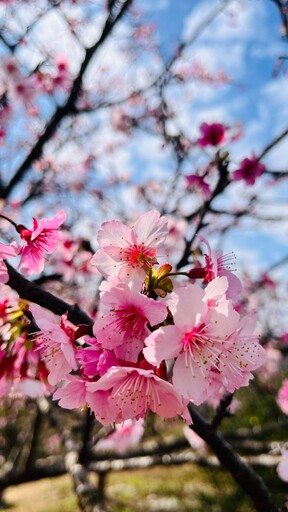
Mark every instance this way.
x=251 y=483
x=34 y=293
x=223 y=182
x=272 y=144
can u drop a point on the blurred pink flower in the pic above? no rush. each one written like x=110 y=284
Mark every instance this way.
x=125 y=436
x=198 y=182
x=72 y=394
x=213 y=134
x=282 y=397
x=249 y=170
x=282 y=468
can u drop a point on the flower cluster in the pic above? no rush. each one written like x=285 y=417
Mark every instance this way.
x=154 y=348
x=156 y=344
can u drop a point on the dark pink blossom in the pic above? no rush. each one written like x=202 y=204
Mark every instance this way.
x=249 y=170
x=213 y=134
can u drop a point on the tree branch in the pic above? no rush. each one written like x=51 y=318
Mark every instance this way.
x=34 y=293
x=251 y=483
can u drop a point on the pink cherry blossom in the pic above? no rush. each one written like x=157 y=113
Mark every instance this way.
x=282 y=468
x=21 y=371
x=126 y=251
x=207 y=340
x=198 y=182
x=57 y=347
x=126 y=392
x=125 y=326
x=270 y=369
x=213 y=134
x=218 y=264
x=195 y=441
x=72 y=394
x=41 y=240
x=6 y=251
x=282 y=397
x=249 y=170
x=125 y=436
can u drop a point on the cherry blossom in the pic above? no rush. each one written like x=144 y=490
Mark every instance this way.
x=213 y=134
x=282 y=397
x=56 y=341
x=126 y=392
x=282 y=468
x=124 y=328
x=72 y=394
x=6 y=251
x=250 y=169
x=198 y=182
x=218 y=264
x=21 y=371
x=125 y=436
x=42 y=239
x=126 y=251
x=207 y=340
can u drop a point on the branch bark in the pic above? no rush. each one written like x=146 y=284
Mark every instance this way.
x=251 y=482
x=32 y=292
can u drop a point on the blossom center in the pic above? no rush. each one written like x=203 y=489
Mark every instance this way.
x=139 y=256
x=137 y=393
x=200 y=349
x=129 y=321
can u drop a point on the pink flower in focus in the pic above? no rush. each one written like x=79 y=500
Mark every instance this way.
x=124 y=393
x=124 y=328
x=6 y=251
x=126 y=251
x=282 y=468
x=213 y=134
x=42 y=239
x=125 y=436
x=249 y=170
x=282 y=397
x=57 y=346
x=207 y=340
